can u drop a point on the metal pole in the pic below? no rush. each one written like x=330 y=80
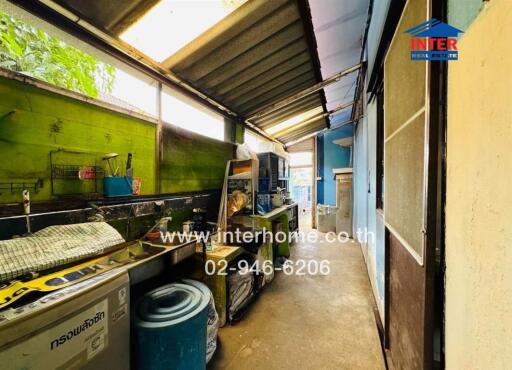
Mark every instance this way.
x=319 y=131
x=313 y=119
x=301 y=94
x=315 y=184
x=26 y=209
x=159 y=149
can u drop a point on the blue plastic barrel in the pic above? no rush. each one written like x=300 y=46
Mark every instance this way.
x=170 y=328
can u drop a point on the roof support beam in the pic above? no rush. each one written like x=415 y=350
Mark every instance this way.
x=308 y=136
x=301 y=94
x=300 y=125
x=312 y=119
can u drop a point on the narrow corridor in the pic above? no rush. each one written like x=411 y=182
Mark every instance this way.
x=308 y=322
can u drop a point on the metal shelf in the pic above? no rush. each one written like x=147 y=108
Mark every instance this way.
x=13 y=187
x=76 y=172
x=63 y=175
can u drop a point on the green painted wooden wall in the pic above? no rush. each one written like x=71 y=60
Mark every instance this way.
x=191 y=162
x=45 y=121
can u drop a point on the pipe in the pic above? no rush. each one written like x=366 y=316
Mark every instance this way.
x=301 y=94
x=308 y=136
x=26 y=210
x=362 y=72
x=261 y=132
x=319 y=131
x=314 y=118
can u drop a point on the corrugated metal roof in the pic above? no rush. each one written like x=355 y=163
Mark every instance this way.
x=339 y=31
x=258 y=54
x=292 y=110
x=303 y=146
x=299 y=133
x=255 y=56
x=112 y=15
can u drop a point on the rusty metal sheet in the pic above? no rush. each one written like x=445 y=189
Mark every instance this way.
x=113 y=15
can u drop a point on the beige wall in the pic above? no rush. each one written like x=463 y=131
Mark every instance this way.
x=479 y=195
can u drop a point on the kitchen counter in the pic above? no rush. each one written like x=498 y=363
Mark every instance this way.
x=277 y=211
x=289 y=224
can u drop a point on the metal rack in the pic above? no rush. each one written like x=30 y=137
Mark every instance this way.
x=13 y=187
x=88 y=171
x=72 y=172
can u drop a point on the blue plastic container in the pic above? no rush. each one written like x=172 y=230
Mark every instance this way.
x=264 y=202
x=170 y=328
x=263 y=185
x=117 y=186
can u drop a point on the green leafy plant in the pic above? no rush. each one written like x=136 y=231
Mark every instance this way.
x=33 y=52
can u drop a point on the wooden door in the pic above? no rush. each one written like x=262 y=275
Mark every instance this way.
x=410 y=196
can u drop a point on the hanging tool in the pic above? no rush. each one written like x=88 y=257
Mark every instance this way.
x=112 y=164
x=129 y=169
x=26 y=209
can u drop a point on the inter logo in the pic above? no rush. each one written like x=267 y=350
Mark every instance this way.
x=434 y=40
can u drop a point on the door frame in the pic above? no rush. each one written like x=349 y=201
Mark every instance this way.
x=434 y=204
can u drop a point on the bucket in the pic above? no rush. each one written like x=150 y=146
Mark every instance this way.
x=136 y=184
x=170 y=328
x=326 y=218
x=117 y=186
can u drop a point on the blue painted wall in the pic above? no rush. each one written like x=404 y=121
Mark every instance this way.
x=379 y=14
x=366 y=216
x=341 y=118
x=320 y=168
x=331 y=156
x=375 y=218
x=360 y=178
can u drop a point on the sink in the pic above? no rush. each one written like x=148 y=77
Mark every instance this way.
x=179 y=246
x=162 y=255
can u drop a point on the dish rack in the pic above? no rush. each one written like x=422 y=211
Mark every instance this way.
x=64 y=176
x=76 y=172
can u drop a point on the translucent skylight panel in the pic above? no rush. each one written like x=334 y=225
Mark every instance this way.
x=172 y=24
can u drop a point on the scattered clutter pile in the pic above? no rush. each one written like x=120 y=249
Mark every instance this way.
x=119 y=286
x=241 y=291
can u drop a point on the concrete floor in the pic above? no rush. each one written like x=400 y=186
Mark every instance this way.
x=308 y=322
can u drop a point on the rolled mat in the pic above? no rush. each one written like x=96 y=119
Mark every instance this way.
x=170 y=327
x=213 y=321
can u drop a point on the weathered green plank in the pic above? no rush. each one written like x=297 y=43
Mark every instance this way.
x=45 y=121
x=191 y=162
